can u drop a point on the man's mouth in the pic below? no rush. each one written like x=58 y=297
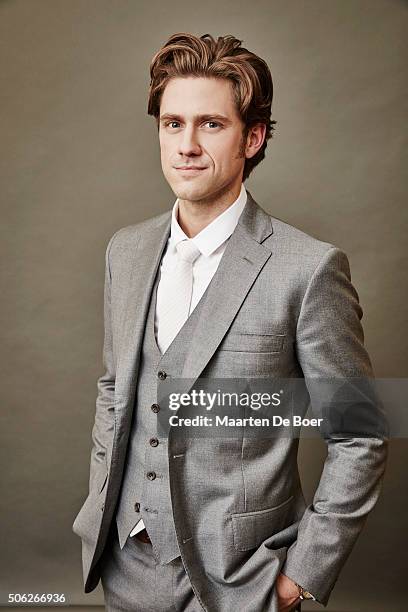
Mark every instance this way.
x=190 y=170
x=190 y=167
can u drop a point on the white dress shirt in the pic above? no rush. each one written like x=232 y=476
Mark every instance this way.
x=211 y=241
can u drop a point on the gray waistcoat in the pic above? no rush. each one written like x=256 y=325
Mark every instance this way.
x=141 y=496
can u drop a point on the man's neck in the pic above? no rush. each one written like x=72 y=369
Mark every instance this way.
x=195 y=216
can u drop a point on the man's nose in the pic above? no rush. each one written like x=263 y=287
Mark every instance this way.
x=189 y=143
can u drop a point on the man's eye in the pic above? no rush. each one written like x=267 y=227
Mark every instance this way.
x=213 y=123
x=171 y=124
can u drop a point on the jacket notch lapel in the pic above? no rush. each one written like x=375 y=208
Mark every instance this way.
x=242 y=261
x=144 y=266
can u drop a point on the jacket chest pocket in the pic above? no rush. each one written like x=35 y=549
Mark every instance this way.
x=243 y=342
x=251 y=528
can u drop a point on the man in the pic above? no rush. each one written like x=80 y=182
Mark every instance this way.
x=219 y=288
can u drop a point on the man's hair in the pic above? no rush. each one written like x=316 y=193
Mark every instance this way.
x=188 y=55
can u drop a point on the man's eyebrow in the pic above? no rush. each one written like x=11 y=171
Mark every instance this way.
x=197 y=118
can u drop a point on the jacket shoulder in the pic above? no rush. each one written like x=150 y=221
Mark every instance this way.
x=293 y=245
x=129 y=236
x=295 y=240
x=300 y=254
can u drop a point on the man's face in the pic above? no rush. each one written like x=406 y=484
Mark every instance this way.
x=200 y=135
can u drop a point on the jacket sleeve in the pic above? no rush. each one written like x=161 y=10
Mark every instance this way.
x=102 y=431
x=330 y=346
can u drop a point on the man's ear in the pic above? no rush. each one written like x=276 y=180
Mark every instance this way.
x=255 y=139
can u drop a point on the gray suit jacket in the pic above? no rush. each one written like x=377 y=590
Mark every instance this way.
x=240 y=515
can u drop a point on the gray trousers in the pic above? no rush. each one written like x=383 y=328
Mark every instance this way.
x=132 y=580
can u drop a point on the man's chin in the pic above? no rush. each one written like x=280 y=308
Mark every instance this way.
x=191 y=195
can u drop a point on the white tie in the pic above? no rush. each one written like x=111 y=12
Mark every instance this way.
x=178 y=294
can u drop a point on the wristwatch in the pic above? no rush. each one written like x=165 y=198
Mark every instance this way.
x=303 y=594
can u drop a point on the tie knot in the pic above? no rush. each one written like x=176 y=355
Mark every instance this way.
x=188 y=251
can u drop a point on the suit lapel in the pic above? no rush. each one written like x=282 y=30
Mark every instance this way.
x=144 y=265
x=242 y=261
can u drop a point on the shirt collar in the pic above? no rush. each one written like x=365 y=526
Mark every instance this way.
x=215 y=233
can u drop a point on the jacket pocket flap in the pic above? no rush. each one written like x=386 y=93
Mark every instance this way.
x=256 y=343
x=251 y=528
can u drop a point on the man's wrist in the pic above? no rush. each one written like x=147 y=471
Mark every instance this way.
x=304 y=593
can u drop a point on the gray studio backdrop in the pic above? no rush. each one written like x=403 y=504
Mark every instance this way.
x=80 y=159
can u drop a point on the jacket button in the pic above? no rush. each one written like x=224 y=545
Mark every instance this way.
x=137 y=507
x=151 y=475
x=155 y=407
x=162 y=375
x=154 y=442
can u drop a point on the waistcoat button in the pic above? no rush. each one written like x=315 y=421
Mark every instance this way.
x=155 y=407
x=151 y=475
x=137 y=507
x=162 y=375
x=154 y=442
